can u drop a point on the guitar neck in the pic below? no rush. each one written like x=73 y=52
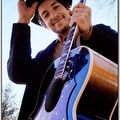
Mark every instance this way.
x=65 y=53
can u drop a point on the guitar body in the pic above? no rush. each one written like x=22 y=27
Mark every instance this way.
x=89 y=93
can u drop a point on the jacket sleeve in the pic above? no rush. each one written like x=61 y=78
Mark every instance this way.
x=20 y=53
x=103 y=40
x=22 y=68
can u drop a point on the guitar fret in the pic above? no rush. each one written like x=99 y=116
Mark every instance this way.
x=64 y=55
x=61 y=63
x=73 y=29
x=67 y=45
x=67 y=42
x=71 y=33
x=66 y=49
x=57 y=76
x=58 y=73
x=70 y=38
x=60 y=68
x=63 y=58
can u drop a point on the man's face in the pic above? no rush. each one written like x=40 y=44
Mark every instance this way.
x=55 y=15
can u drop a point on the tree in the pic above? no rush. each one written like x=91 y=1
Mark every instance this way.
x=9 y=108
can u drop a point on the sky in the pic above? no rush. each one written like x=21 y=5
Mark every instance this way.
x=40 y=37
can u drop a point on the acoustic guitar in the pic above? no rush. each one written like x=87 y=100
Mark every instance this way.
x=84 y=86
x=90 y=89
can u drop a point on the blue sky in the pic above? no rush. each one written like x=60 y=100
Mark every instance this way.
x=40 y=37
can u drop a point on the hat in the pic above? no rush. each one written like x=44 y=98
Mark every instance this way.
x=66 y=3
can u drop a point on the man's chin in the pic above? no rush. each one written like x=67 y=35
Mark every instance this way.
x=61 y=29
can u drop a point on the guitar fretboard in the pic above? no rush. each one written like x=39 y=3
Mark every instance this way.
x=65 y=53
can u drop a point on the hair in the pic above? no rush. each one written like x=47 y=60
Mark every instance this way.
x=38 y=17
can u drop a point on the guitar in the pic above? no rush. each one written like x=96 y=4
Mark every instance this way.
x=90 y=89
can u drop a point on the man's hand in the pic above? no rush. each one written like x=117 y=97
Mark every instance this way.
x=81 y=15
x=25 y=13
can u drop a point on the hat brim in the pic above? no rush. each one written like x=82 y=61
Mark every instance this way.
x=30 y=2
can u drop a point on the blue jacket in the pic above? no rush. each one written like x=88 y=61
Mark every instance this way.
x=23 y=69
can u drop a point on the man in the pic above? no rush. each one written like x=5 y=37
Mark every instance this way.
x=56 y=16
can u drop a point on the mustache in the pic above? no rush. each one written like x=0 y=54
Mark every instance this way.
x=56 y=19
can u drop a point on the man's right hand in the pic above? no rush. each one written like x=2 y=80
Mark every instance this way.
x=25 y=13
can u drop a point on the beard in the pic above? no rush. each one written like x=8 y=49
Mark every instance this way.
x=62 y=27
x=63 y=30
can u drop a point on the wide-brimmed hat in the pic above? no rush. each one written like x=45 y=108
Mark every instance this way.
x=66 y=3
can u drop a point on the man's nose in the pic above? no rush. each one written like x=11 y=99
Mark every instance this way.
x=53 y=15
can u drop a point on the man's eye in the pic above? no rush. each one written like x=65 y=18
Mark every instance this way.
x=45 y=15
x=55 y=7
